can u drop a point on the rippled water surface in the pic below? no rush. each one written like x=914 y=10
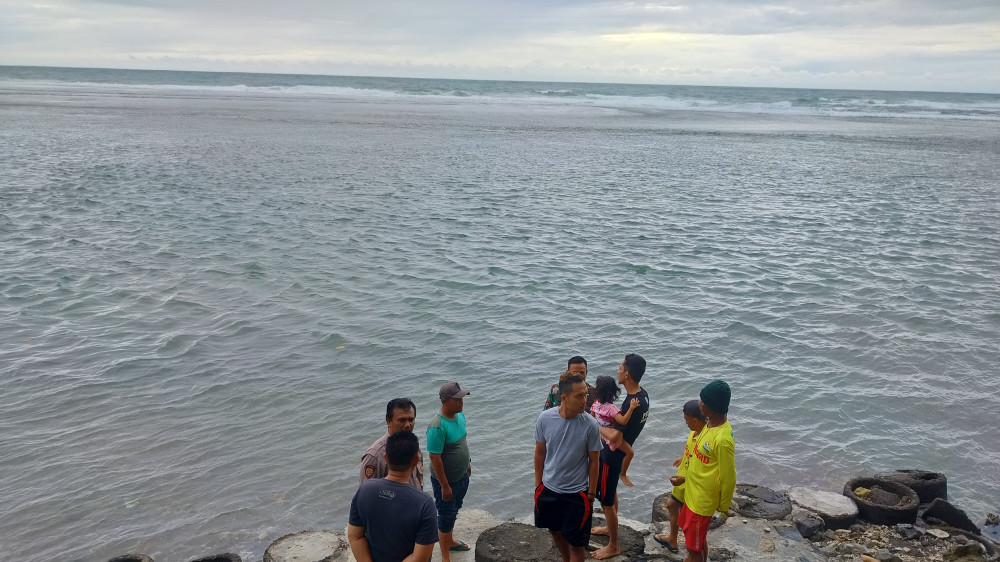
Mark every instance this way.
x=208 y=297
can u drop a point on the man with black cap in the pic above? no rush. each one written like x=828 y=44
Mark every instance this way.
x=451 y=464
x=711 y=475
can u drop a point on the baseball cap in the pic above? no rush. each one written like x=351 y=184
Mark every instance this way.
x=452 y=390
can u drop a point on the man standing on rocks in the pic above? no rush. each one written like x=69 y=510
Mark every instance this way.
x=711 y=475
x=576 y=365
x=451 y=464
x=629 y=374
x=400 y=415
x=567 y=445
x=390 y=520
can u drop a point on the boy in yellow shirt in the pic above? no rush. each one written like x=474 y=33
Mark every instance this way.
x=711 y=476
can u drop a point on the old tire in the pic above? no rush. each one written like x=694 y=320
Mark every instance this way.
x=227 y=557
x=927 y=485
x=903 y=512
x=131 y=558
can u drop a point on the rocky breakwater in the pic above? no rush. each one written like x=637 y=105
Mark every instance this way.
x=796 y=525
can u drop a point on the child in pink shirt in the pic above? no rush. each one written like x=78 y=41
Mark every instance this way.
x=612 y=420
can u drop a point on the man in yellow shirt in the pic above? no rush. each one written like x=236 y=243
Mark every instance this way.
x=711 y=475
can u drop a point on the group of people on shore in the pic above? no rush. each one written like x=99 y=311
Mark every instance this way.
x=583 y=447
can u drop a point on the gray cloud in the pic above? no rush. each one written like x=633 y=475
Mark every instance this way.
x=889 y=43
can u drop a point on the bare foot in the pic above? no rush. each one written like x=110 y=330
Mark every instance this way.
x=599 y=531
x=626 y=481
x=605 y=552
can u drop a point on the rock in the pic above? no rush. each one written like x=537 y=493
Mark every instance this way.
x=882 y=497
x=808 y=524
x=992 y=519
x=766 y=545
x=309 y=546
x=950 y=515
x=965 y=553
x=836 y=510
x=884 y=555
x=515 y=542
x=936 y=533
x=909 y=532
x=660 y=512
x=131 y=558
x=761 y=503
x=631 y=542
x=866 y=558
x=226 y=557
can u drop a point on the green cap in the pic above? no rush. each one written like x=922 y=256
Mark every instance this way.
x=716 y=396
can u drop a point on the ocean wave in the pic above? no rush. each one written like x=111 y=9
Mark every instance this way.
x=622 y=97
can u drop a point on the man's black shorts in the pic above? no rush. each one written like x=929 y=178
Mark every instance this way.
x=607 y=476
x=569 y=514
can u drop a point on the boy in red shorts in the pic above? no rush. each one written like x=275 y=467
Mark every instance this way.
x=711 y=476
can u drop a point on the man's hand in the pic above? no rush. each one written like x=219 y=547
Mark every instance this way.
x=678 y=462
x=677 y=480
x=470 y=470
x=446 y=492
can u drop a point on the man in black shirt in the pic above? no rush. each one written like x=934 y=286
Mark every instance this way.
x=629 y=374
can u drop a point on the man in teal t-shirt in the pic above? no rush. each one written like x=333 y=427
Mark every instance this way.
x=451 y=464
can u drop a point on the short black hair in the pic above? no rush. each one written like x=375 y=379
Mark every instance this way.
x=635 y=365
x=566 y=384
x=576 y=359
x=400 y=448
x=399 y=404
x=607 y=389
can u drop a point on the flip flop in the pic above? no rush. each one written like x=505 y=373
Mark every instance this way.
x=461 y=546
x=664 y=542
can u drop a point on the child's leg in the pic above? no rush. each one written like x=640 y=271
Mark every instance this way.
x=629 y=453
x=611 y=435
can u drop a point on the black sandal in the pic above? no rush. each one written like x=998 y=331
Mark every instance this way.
x=664 y=542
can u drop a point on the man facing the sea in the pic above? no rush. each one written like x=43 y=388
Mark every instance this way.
x=451 y=464
x=390 y=521
x=711 y=475
x=629 y=374
x=400 y=415
x=567 y=446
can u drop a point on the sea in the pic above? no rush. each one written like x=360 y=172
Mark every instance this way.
x=212 y=283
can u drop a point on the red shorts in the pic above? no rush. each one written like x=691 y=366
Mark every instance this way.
x=695 y=528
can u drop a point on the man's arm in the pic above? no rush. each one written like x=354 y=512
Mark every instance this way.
x=539 y=463
x=438 y=465
x=594 y=457
x=359 y=544
x=727 y=474
x=421 y=553
x=369 y=468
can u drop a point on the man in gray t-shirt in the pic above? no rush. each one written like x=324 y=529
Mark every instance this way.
x=567 y=449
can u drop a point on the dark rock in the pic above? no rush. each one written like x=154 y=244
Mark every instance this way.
x=226 y=557
x=660 y=512
x=944 y=511
x=131 y=558
x=884 y=555
x=807 y=524
x=882 y=497
x=928 y=485
x=965 y=553
x=992 y=519
x=515 y=542
x=909 y=532
x=631 y=542
x=761 y=503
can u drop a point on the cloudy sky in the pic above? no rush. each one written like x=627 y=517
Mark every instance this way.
x=949 y=45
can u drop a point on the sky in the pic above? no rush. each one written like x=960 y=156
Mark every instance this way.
x=937 y=45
